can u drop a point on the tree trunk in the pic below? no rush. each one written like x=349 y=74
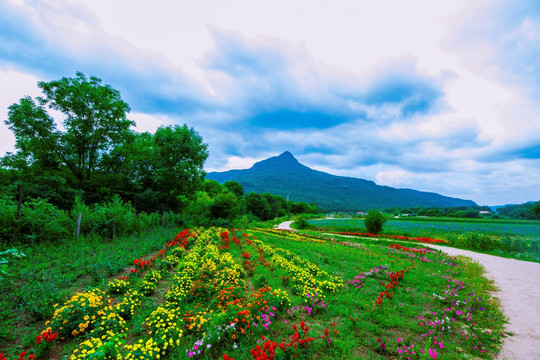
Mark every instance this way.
x=79 y=224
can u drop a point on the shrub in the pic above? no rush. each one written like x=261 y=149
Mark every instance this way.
x=301 y=223
x=374 y=221
x=40 y=221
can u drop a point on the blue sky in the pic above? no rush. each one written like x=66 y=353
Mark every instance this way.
x=434 y=96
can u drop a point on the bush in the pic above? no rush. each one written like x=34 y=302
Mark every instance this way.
x=301 y=223
x=40 y=221
x=374 y=221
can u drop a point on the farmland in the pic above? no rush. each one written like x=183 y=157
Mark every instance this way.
x=218 y=293
x=519 y=239
x=440 y=227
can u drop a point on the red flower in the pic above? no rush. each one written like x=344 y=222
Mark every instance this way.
x=38 y=340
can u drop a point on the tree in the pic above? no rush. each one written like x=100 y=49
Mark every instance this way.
x=226 y=206
x=213 y=188
x=165 y=168
x=258 y=206
x=95 y=123
x=235 y=187
x=374 y=221
x=178 y=164
x=536 y=210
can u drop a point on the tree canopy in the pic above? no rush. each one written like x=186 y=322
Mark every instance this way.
x=94 y=152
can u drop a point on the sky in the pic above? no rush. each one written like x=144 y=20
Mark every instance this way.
x=440 y=96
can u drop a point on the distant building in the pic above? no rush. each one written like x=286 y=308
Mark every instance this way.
x=484 y=212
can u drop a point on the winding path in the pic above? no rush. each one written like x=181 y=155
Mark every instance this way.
x=519 y=292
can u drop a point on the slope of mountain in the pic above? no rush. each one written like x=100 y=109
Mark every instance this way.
x=284 y=175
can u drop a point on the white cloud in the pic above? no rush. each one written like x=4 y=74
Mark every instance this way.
x=471 y=69
x=236 y=162
x=393 y=178
x=15 y=85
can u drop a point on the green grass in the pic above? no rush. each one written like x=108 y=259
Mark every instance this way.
x=517 y=239
x=439 y=227
x=356 y=324
x=50 y=272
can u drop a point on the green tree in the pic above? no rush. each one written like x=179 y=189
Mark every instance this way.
x=226 y=206
x=213 y=188
x=536 y=210
x=160 y=171
x=257 y=205
x=235 y=187
x=95 y=123
x=178 y=161
x=374 y=221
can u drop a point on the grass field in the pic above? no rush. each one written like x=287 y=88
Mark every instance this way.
x=440 y=227
x=214 y=293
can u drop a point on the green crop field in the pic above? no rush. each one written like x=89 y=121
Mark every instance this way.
x=259 y=294
x=432 y=227
x=518 y=239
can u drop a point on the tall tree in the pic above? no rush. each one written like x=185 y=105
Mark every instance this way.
x=95 y=123
x=164 y=170
x=179 y=156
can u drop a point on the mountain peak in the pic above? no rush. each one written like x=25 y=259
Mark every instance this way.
x=286 y=159
x=287 y=156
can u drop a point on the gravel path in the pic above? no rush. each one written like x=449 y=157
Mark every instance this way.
x=519 y=292
x=285 y=225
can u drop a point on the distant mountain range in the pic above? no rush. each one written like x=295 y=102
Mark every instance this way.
x=284 y=175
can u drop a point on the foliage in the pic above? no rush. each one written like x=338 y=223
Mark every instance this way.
x=235 y=188
x=301 y=223
x=374 y=221
x=95 y=154
x=530 y=210
x=94 y=120
x=40 y=221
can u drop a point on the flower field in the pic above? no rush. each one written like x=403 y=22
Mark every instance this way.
x=264 y=294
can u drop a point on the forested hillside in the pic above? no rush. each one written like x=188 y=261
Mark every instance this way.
x=284 y=175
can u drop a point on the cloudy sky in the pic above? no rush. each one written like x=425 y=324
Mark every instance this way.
x=439 y=96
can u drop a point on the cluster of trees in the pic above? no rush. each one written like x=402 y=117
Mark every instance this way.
x=92 y=162
x=95 y=154
x=458 y=211
x=528 y=211
x=225 y=204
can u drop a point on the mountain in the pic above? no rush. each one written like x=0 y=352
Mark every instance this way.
x=284 y=175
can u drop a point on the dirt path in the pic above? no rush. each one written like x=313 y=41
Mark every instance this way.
x=519 y=292
x=285 y=225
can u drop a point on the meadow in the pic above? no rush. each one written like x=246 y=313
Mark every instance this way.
x=258 y=294
x=440 y=227
x=519 y=239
